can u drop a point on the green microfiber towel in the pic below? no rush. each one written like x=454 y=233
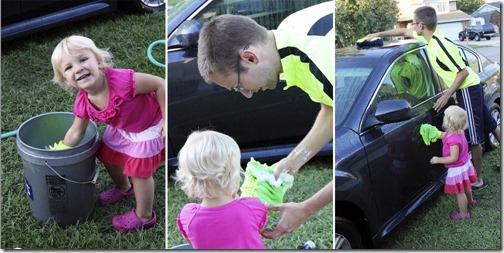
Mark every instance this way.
x=429 y=133
x=59 y=146
x=260 y=182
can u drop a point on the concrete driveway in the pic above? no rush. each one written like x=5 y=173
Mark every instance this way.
x=492 y=48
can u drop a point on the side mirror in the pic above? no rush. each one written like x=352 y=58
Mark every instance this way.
x=188 y=33
x=390 y=111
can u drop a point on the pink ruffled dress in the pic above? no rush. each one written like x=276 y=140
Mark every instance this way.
x=460 y=173
x=130 y=139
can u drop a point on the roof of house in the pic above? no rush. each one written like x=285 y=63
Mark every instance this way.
x=495 y=4
x=453 y=16
x=492 y=6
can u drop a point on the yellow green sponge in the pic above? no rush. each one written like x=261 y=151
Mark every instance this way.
x=429 y=133
x=59 y=146
x=260 y=182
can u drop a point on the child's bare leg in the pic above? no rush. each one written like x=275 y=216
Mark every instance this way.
x=120 y=180
x=144 y=195
x=468 y=193
x=462 y=203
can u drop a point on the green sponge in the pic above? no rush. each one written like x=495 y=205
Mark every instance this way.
x=429 y=133
x=260 y=182
x=59 y=146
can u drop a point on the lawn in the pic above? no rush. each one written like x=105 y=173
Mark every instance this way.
x=27 y=91
x=318 y=228
x=430 y=228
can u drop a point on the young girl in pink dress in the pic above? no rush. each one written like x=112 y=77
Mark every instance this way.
x=210 y=170
x=461 y=172
x=133 y=107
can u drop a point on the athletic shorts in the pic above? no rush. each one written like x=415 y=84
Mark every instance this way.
x=480 y=122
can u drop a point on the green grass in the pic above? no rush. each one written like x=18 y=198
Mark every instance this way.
x=173 y=2
x=430 y=228
x=473 y=46
x=27 y=91
x=318 y=228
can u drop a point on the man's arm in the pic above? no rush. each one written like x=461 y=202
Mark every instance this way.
x=391 y=33
x=459 y=79
x=319 y=135
x=295 y=214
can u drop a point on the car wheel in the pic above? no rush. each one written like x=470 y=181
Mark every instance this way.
x=143 y=6
x=347 y=235
x=461 y=38
x=488 y=37
x=491 y=141
x=477 y=37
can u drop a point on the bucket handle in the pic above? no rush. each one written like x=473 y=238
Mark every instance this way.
x=93 y=181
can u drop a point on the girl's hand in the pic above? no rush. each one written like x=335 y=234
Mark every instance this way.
x=161 y=130
x=434 y=160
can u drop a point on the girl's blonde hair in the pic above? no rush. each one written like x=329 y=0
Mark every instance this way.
x=76 y=42
x=209 y=165
x=455 y=118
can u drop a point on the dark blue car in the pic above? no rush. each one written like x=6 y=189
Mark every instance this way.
x=383 y=172
x=23 y=17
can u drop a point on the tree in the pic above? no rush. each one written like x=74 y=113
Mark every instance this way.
x=355 y=19
x=469 y=6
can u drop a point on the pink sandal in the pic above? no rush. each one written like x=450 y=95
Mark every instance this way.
x=130 y=222
x=473 y=203
x=458 y=216
x=114 y=195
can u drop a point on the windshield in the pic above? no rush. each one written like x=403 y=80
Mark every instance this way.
x=351 y=75
x=177 y=9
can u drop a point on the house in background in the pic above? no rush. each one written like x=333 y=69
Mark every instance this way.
x=450 y=20
x=490 y=13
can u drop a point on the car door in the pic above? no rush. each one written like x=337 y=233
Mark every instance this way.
x=399 y=161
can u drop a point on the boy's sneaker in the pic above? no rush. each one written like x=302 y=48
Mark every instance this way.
x=458 y=216
x=478 y=185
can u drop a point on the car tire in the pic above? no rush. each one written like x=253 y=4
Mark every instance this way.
x=461 y=38
x=477 y=37
x=143 y=6
x=491 y=142
x=488 y=37
x=347 y=236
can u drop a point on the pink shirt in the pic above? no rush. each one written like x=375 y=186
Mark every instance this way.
x=125 y=109
x=234 y=225
x=460 y=140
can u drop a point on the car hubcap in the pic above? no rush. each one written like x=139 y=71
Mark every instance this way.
x=154 y=3
x=341 y=242
x=496 y=116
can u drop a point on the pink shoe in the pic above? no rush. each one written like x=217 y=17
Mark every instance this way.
x=458 y=216
x=473 y=203
x=130 y=222
x=113 y=195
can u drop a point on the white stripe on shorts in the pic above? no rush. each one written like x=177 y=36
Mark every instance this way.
x=473 y=137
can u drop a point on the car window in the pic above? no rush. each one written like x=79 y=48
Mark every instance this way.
x=351 y=77
x=409 y=79
x=268 y=13
x=471 y=60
